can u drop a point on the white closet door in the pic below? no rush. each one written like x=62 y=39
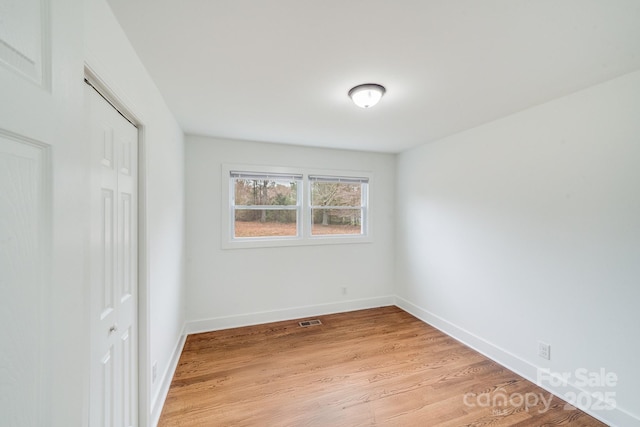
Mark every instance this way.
x=114 y=269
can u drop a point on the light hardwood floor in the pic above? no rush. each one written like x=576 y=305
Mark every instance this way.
x=378 y=367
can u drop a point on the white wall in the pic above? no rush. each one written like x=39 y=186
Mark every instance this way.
x=111 y=56
x=234 y=287
x=528 y=229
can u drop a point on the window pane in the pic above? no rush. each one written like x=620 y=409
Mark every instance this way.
x=263 y=192
x=265 y=223
x=328 y=222
x=336 y=194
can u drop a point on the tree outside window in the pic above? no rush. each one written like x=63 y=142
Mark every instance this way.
x=265 y=205
x=338 y=205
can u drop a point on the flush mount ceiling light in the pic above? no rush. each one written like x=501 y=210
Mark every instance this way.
x=366 y=95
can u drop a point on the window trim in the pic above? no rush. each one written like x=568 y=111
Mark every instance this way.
x=304 y=238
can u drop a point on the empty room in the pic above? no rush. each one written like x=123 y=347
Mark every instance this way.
x=336 y=213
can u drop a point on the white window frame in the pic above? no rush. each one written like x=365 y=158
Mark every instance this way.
x=304 y=238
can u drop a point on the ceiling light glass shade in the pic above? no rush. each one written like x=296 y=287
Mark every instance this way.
x=366 y=95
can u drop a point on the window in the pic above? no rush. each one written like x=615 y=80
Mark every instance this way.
x=338 y=205
x=265 y=205
x=275 y=206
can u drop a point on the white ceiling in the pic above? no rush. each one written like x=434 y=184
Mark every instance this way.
x=280 y=70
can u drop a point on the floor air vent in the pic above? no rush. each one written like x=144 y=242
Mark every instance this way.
x=308 y=323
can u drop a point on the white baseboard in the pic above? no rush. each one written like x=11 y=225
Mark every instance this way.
x=613 y=417
x=227 y=322
x=161 y=395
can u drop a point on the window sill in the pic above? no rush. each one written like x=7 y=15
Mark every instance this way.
x=271 y=242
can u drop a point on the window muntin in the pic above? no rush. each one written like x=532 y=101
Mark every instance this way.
x=338 y=205
x=265 y=205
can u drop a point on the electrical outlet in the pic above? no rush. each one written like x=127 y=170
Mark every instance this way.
x=544 y=350
x=154 y=372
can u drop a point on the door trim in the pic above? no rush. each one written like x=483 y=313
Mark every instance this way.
x=144 y=365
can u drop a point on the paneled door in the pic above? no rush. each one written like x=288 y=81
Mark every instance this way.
x=114 y=269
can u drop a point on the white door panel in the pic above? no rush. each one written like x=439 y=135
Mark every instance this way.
x=22 y=289
x=114 y=269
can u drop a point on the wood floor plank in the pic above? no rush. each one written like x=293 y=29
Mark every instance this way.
x=378 y=367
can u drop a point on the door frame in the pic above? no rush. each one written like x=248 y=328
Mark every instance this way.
x=144 y=344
